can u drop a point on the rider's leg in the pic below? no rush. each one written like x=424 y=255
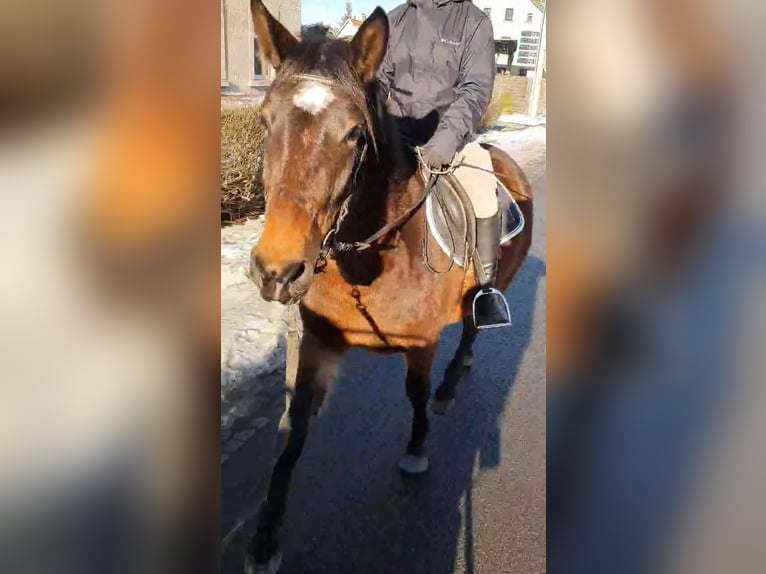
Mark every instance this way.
x=491 y=309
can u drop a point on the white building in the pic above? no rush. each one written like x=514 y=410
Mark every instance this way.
x=516 y=24
x=349 y=27
x=516 y=21
x=242 y=70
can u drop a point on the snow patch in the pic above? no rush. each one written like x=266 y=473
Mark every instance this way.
x=521 y=120
x=509 y=139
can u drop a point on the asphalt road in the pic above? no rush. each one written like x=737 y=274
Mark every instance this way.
x=481 y=506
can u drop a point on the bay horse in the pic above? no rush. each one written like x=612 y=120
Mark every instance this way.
x=334 y=174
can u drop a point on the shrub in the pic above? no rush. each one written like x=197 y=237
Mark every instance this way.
x=506 y=102
x=241 y=164
x=488 y=121
x=501 y=103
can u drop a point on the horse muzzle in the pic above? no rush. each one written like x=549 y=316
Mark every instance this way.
x=285 y=282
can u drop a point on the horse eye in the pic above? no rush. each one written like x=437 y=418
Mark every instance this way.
x=355 y=134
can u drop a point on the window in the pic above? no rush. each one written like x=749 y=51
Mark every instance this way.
x=529 y=17
x=257 y=64
x=488 y=11
x=259 y=72
x=509 y=14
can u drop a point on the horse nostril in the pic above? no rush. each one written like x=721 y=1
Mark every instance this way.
x=294 y=272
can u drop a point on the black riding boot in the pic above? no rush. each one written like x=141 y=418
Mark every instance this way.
x=490 y=308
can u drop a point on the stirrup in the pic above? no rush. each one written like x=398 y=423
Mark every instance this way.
x=491 y=291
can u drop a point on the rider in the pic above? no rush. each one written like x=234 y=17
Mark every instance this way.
x=438 y=74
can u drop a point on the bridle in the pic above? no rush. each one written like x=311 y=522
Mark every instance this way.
x=330 y=245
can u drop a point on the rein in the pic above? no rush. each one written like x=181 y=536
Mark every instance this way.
x=331 y=245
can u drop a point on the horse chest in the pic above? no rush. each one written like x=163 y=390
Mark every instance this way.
x=399 y=308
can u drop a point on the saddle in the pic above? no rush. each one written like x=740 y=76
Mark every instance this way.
x=451 y=221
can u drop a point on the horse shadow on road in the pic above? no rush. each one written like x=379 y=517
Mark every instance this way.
x=350 y=510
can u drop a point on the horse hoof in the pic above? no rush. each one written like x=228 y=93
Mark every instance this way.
x=271 y=567
x=411 y=464
x=441 y=406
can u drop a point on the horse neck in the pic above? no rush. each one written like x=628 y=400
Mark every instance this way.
x=380 y=198
x=388 y=183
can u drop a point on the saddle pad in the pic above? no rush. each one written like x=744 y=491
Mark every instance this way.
x=446 y=215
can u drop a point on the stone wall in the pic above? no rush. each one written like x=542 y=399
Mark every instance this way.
x=517 y=86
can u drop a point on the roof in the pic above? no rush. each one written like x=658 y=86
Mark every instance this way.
x=349 y=27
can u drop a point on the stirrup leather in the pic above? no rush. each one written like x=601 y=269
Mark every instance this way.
x=491 y=291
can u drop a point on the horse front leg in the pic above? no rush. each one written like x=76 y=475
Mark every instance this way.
x=317 y=366
x=419 y=362
x=460 y=364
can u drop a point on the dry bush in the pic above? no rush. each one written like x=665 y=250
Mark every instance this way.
x=501 y=103
x=506 y=101
x=488 y=121
x=241 y=164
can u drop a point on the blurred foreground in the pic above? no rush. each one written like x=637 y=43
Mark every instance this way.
x=109 y=291
x=655 y=257
x=109 y=400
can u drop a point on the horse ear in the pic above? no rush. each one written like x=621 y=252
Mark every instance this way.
x=369 y=45
x=274 y=40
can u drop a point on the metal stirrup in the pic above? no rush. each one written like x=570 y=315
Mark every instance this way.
x=485 y=291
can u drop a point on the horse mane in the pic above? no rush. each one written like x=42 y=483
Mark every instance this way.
x=330 y=58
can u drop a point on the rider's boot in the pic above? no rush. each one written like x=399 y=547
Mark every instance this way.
x=490 y=308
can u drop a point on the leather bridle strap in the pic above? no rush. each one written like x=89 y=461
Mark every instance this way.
x=383 y=231
x=330 y=244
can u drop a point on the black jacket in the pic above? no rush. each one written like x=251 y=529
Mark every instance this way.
x=439 y=71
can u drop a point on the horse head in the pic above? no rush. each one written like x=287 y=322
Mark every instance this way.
x=320 y=128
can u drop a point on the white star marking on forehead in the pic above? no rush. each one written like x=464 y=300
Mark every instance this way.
x=313 y=97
